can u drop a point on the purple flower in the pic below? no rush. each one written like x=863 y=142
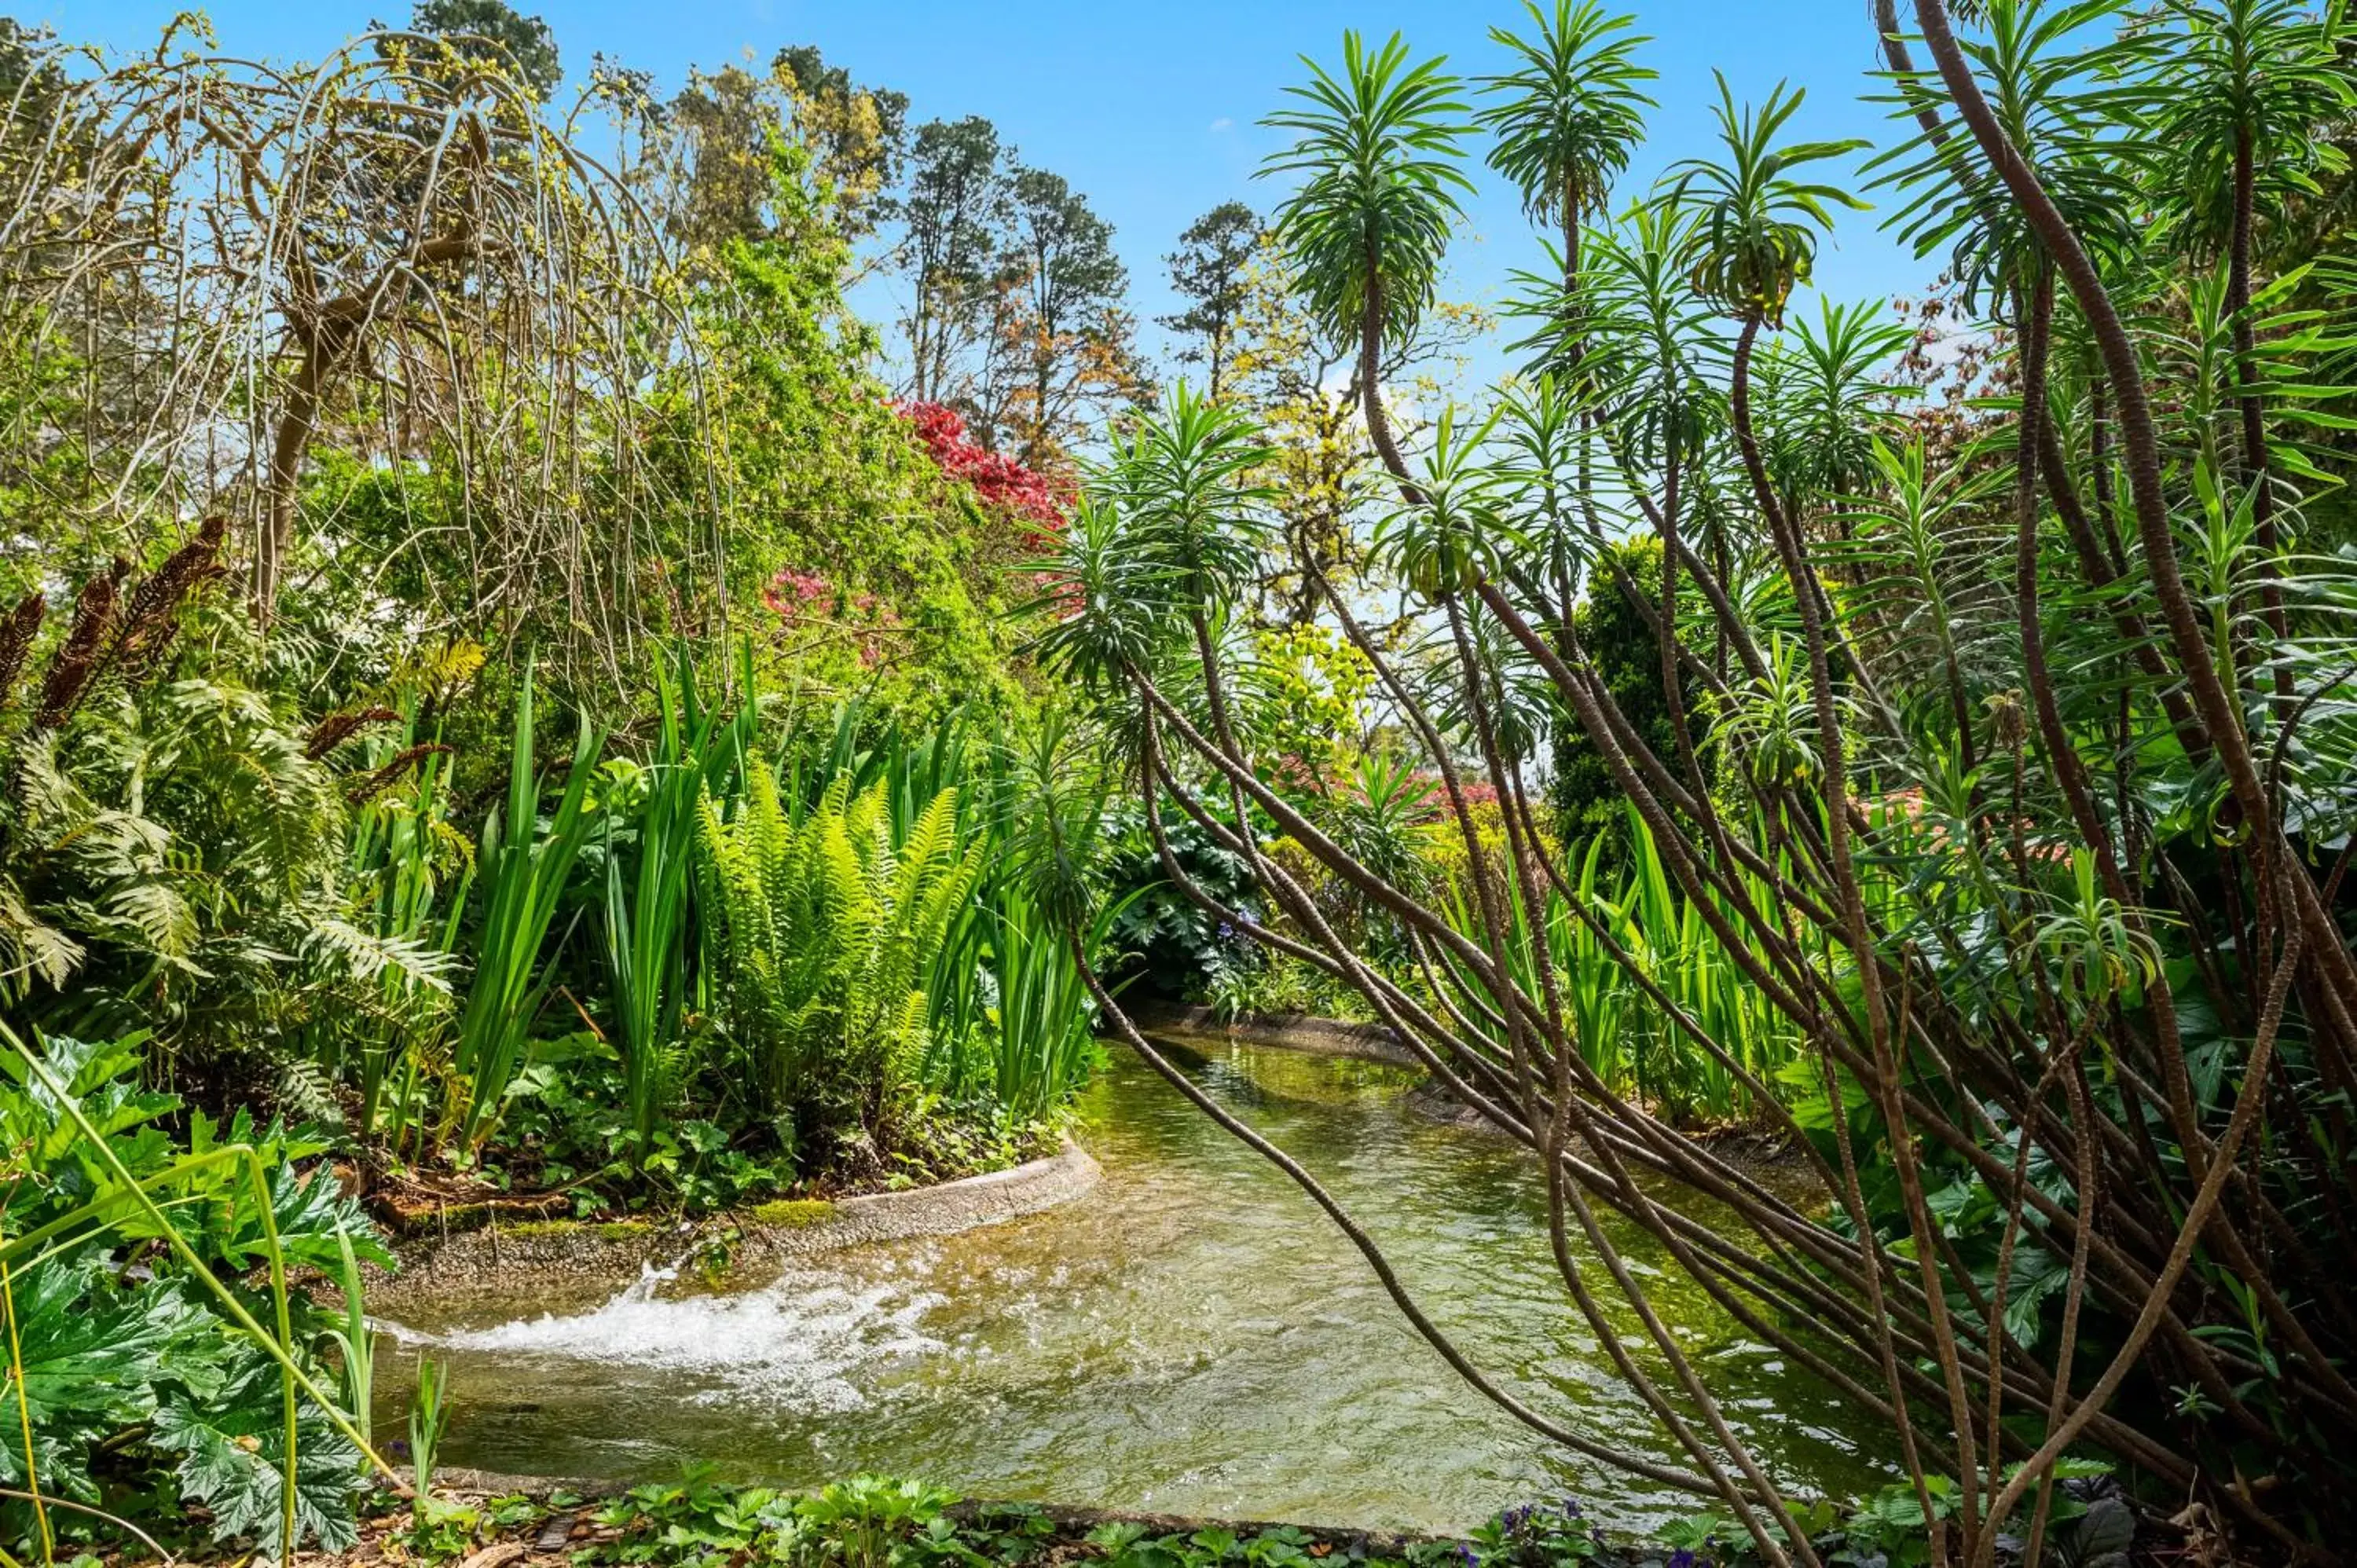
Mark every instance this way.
x=1681 y=1558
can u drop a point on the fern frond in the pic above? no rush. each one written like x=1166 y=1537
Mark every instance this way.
x=365 y=956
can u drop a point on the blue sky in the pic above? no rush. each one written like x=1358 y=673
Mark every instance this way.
x=1151 y=110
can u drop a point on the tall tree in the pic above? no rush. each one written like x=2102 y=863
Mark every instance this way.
x=493 y=33
x=858 y=134
x=722 y=123
x=728 y=125
x=1207 y=269
x=1073 y=338
x=954 y=212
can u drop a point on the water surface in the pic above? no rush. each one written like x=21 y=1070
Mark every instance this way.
x=1191 y=1337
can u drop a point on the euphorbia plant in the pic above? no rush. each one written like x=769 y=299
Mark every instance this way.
x=2024 y=847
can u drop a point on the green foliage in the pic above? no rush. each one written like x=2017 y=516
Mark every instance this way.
x=1538 y=1535
x=830 y=923
x=864 y=1521
x=1571 y=112
x=136 y=1379
x=1304 y=693
x=429 y=1417
x=1208 y=271
x=847 y=494
x=1170 y=944
x=523 y=872
x=177 y=842
x=649 y=928
x=1366 y=228
x=1623 y=1033
x=1757 y=235
x=1626 y=653
x=1044 y=1025
x=876 y=1521
x=490 y=33
x=233 y=1450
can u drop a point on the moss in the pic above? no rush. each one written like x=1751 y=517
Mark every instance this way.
x=602 y=1230
x=793 y=1213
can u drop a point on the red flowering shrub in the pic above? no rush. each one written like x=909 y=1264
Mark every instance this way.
x=1477 y=791
x=999 y=480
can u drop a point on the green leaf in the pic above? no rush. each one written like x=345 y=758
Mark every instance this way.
x=231 y=1459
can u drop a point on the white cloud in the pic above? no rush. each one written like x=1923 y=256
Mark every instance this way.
x=1222 y=123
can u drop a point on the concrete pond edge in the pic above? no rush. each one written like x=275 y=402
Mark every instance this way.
x=495 y=1259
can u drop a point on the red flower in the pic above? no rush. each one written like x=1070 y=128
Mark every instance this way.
x=1476 y=791
x=998 y=480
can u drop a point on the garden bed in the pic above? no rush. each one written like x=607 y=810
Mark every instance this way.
x=493 y=1257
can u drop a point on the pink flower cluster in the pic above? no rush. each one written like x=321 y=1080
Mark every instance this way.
x=791 y=595
x=804 y=600
x=1477 y=791
x=999 y=480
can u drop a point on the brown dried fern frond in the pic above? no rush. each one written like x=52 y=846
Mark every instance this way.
x=77 y=659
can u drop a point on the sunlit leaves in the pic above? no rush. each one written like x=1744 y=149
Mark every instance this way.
x=1377 y=154
x=1756 y=238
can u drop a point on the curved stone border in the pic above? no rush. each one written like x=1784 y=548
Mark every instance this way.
x=494 y=1259
x=1281 y=1031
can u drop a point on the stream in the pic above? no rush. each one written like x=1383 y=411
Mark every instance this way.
x=1191 y=1337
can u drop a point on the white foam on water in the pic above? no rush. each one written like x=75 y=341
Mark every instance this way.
x=792 y=1346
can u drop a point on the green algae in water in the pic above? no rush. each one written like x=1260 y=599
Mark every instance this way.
x=596 y=1230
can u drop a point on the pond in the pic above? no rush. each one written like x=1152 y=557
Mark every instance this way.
x=1191 y=1337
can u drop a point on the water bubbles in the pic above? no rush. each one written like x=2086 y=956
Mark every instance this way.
x=795 y=1346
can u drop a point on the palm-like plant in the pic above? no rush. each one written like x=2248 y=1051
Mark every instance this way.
x=1831 y=403
x=2061 y=87
x=1924 y=554
x=1568 y=115
x=1756 y=238
x=1367 y=228
x=1180 y=485
x=1108 y=604
x=2248 y=82
x=1646 y=339
x=1445 y=543
x=2253 y=79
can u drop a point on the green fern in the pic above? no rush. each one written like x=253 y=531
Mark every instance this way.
x=830 y=931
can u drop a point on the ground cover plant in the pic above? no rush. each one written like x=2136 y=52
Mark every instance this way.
x=873 y=1521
